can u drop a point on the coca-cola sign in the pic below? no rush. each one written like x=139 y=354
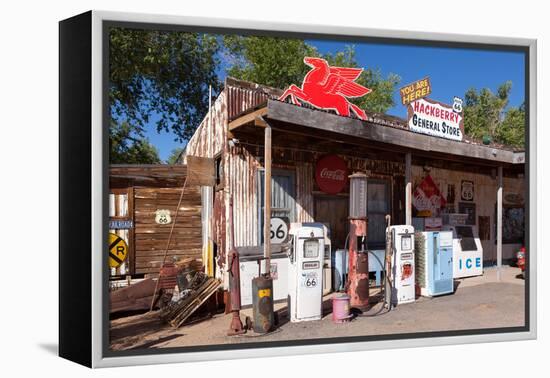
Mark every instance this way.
x=331 y=174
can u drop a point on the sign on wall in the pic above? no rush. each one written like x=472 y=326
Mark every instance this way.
x=331 y=174
x=162 y=216
x=427 y=198
x=121 y=224
x=278 y=230
x=467 y=190
x=415 y=91
x=426 y=116
x=118 y=250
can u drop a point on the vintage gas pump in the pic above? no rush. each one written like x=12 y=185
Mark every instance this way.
x=402 y=241
x=305 y=286
x=236 y=326
x=358 y=276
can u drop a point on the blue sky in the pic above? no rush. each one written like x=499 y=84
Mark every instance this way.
x=452 y=72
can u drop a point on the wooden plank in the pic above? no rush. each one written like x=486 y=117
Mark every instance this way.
x=200 y=171
x=249 y=118
x=349 y=127
x=134 y=297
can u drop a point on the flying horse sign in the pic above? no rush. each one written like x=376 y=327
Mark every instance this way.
x=328 y=87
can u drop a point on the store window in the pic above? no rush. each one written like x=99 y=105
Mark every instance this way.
x=219 y=170
x=378 y=205
x=283 y=198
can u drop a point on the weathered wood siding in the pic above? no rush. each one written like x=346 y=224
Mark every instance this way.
x=151 y=238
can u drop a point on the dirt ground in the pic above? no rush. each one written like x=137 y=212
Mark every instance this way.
x=478 y=302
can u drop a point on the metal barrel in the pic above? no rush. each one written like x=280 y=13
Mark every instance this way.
x=262 y=304
x=340 y=309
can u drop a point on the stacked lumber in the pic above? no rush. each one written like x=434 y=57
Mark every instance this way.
x=189 y=263
x=200 y=288
x=170 y=271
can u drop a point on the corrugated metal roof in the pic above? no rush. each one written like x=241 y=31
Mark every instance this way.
x=245 y=96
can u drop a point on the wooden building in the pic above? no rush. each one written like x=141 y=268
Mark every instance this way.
x=142 y=204
x=395 y=159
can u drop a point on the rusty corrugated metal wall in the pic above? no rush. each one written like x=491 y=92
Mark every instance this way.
x=210 y=137
x=304 y=192
x=244 y=171
x=243 y=96
x=209 y=140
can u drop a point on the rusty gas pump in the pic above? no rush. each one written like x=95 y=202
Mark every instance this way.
x=358 y=277
x=236 y=326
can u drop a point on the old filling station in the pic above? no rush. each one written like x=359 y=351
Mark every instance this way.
x=348 y=203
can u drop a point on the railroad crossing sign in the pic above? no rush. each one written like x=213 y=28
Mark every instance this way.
x=118 y=250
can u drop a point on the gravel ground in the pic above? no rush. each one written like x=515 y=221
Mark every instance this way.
x=479 y=302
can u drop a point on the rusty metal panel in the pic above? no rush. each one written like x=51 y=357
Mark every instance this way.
x=209 y=138
x=244 y=96
x=304 y=196
x=243 y=168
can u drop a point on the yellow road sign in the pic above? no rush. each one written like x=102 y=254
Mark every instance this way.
x=118 y=250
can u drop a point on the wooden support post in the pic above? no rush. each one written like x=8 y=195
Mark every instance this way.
x=408 y=188
x=499 y=224
x=267 y=199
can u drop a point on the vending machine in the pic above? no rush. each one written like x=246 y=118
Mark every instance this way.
x=434 y=262
x=467 y=251
x=305 y=285
x=403 y=288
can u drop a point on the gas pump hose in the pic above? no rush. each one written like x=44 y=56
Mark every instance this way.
x=382 y=289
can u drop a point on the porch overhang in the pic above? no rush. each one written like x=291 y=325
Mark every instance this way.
x=294 y=119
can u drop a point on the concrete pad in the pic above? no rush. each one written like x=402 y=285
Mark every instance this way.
x=478 y=303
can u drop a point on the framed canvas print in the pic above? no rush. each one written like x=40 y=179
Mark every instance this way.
x=246 y=189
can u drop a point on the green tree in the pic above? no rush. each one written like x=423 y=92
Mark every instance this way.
x=126 y=149
x=161 y=77
x=512 y=128
x=275 y=62
x=174 y=155
x=279 y=62
x=488 y=114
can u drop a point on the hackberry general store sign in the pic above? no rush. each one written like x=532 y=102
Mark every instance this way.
x=426 y=116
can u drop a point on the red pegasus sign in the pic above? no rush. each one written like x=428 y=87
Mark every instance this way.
x=328 y=87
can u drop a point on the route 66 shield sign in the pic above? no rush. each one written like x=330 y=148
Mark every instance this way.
x=457 y=104
x=467 y=190
x=162 y=216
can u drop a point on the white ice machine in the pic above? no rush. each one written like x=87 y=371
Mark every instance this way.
x=467 y=251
